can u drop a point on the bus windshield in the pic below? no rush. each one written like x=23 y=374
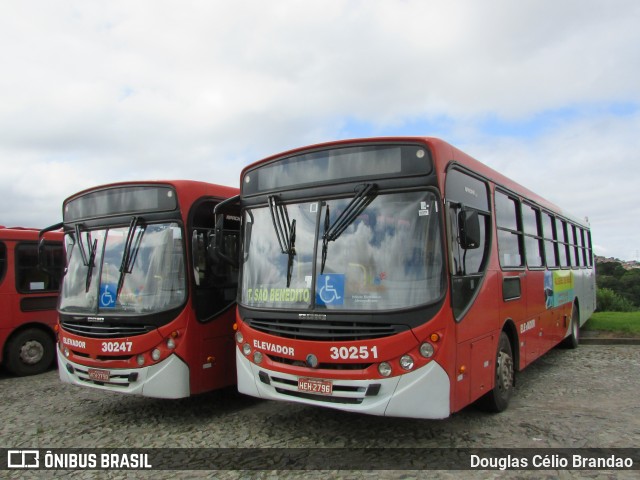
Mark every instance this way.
x=136 y=269
x=386 y=254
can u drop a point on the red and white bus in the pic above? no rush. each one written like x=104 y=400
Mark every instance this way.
x=28 y=297
x=145 y=308
x=400 y=277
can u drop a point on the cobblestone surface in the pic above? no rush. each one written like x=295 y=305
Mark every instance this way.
x=569 y=398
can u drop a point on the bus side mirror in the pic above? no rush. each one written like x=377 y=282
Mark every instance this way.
x=198 y=255
x=46 y=263
x=469 y=229
x=222 y=245
x=222 y=248
x=42 y=257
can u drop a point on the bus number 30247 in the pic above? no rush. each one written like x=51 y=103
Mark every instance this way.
x=114 y=347
x=353 y=353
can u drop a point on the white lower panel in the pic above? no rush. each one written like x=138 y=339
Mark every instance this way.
x=423 y=393
x=167 y=379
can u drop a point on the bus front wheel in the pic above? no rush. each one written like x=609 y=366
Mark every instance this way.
x=497 y=400
x=29 y=352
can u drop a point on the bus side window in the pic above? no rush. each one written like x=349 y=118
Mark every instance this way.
x=29 y=277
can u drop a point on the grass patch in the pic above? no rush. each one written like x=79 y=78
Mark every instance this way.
x=625 y=322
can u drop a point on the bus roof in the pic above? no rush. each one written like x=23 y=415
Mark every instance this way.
x=26 y=233
x=444 y=154
x=210 y=188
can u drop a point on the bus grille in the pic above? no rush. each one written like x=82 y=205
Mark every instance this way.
x=324 y=330
x=106 y=331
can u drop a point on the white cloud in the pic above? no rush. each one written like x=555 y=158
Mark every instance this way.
x=94 y=92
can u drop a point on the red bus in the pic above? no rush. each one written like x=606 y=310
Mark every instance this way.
x=28 y=297
x=400 y=277
x=145 y=308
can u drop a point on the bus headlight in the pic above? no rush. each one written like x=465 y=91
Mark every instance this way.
x=66 y=352
x=155 y=354
x=257 y=357
x=384 y=369
x=246 y=349
x=239 y=337
x=406 y=362
x=426 y=350
x=140 y=360
x=171 y=344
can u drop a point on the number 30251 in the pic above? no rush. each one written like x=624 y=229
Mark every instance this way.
x=114 y=347
x=353 y=353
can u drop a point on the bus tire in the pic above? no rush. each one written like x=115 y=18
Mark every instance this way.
x=29 y=352
x=573 y=339
x=497 y=400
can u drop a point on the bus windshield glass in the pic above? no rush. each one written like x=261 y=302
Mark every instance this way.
x=134 y=269
x=387 y=255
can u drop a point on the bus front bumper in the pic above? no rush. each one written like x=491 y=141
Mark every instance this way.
x=422 y=393
x=166 y=379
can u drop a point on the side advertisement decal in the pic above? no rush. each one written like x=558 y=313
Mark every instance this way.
x=558 y=288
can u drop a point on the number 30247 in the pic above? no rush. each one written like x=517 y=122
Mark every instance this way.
x=354 y=353
x=115 y=347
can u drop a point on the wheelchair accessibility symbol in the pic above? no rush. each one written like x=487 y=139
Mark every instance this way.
x=108 y=295
x=330 y=289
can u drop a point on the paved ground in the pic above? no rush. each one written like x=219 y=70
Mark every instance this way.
x=569 y=398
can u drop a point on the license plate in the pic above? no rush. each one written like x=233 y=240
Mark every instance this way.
x=313 y=385
x=99 y=375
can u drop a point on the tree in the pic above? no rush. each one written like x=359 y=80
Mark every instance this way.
x=608 y=301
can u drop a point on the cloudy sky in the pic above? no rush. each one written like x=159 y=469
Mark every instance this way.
x=546 y=91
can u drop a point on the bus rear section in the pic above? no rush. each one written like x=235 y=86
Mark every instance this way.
x=377 y=277
x=144 y=308
x=28 y=297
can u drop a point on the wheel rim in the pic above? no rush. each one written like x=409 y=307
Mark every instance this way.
x=505 y=371
x=31 y=352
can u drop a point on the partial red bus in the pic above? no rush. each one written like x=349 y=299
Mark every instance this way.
x=401 y=277
x=145 y=308
x=28 y=297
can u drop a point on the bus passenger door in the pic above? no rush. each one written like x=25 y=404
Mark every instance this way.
x=473 y=286
x=214 y=296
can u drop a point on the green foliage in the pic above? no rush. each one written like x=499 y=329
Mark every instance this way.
x=609 y=301
x=627 y=322
x=620 y=287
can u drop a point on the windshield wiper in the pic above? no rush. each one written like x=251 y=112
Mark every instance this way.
x=366 y=193
x=285 y=232
x=131 y=248
x=83 y=253
x=87 y=261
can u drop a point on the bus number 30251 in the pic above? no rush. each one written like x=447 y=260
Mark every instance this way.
x=114 y=347
x=353 y=353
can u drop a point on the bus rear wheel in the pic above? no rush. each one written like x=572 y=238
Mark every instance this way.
x=29 y=352
x=574 y=337
x=497 y=400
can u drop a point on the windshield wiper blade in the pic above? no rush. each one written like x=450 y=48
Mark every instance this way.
x=366 y=193
x=87 y=260
x=93 y=247
x=285 y=232
x=131 y=248
x=83 y=253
